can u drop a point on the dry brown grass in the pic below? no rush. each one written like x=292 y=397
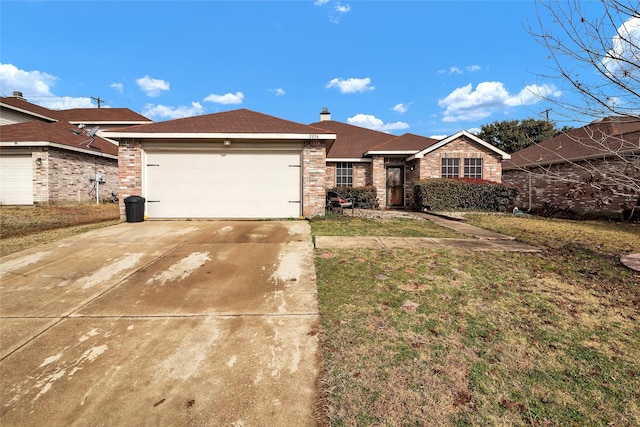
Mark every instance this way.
x=25 y=227
x=496 y=339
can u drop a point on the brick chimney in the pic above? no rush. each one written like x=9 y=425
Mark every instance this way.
x=325 y=114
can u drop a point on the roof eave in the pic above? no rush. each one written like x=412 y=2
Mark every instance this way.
x=23 y=111
x=216 y=135
x=390 y=153
x=9 y=144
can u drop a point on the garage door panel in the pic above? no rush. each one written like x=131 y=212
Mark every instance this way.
x=16 y=180
x=223 y=185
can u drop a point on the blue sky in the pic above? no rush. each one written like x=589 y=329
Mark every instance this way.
x=426 y=67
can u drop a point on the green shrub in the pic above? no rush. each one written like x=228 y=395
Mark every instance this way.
x=463 y=193
x=363 y=197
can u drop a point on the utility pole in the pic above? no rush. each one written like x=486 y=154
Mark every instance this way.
x=98 y=100
x=546 y=112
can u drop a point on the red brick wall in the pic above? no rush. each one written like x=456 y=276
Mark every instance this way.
x=361 y=174
x=545 y=192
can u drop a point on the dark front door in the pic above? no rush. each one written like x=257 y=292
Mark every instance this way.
x=395 y=186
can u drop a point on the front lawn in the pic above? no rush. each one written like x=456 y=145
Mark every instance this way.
x=451 y=337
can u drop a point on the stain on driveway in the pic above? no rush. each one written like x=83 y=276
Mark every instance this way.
x=162 y=323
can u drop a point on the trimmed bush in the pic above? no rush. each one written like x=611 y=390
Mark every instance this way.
x=363 y=197
x=463 y=193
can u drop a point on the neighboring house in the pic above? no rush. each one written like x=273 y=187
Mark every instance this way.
x=234 y=164
x=565 y=172
x=393 y=164
x=44 y=158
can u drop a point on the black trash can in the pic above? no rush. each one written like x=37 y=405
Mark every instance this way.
x=134 y=208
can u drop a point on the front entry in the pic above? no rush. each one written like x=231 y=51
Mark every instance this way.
x=395 y=186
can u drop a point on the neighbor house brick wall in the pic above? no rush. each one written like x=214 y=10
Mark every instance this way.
x=462 y=148
x=130 y=170
x=64 y=176
x=314 y=178
x=554 y=194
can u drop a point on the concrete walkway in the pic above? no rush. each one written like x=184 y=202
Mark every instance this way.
x=480 y=239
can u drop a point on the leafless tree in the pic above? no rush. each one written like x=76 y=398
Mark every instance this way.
x=593 y=75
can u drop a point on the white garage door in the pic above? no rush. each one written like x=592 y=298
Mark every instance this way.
x=16 y=180
x=223 y=185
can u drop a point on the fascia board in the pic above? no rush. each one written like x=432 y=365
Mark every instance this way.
x=55 y=145
x=23 y=111
x=348 y=159
x=421 y=154
x=390 y=153
x=285 y=136
x=114 y=122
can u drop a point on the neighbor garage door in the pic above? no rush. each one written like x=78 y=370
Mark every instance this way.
x=16 y=180
x=223 y=185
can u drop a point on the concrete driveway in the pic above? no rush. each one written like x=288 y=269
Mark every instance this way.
x=162 y=323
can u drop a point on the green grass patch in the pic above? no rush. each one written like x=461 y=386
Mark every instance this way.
x=385 y=227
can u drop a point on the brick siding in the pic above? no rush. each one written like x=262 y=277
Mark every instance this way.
x=130 y=170
x=65 y=176
x=555 y=194
x=314 y=178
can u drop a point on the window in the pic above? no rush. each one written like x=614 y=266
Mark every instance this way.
x=450 y=167
x=473 y=168
x=344 y=174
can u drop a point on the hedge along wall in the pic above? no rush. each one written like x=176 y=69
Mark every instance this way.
x=363 y=197
x=463 y=193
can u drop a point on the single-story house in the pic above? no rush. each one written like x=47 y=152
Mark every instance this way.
x=45 y=158
x=244 y=164
x=234 y=164
x=393 y=164
x=589 y=171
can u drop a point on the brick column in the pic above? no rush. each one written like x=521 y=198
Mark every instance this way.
x=314 y=178
x=129 y=170
x=379 y=179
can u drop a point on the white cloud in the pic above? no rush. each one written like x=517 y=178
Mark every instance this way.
x=438 y=137
x=117 y=86
x=36 y=88
x=372 y=122
x=457 y=70
x=227 y=98
x=343 y=8
x=465 y=103
x=152 y=87
x=278 y=91
x=473 y=68
x=338 y=10
x=401 y=108
x=164 y=112
x=351 y=85
x=623 y=58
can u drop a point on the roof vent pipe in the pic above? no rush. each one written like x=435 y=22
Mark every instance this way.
x=325 y=114
x=17 y=94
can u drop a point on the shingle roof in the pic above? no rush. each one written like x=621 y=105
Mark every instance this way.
x=94 y=115
x=13 y=102
x=61 y=133
x=406 y=142
x=234 y=121
x=351 y=141
x=613 y=134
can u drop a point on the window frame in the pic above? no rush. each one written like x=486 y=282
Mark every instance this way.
x=476 y=168
x=344 y=174
x=450 y=167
